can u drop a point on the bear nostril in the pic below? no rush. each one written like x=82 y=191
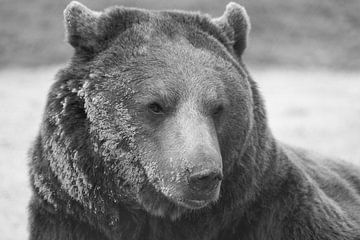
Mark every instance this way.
x=205 y=180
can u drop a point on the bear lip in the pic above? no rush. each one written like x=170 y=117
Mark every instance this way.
x=193 y=204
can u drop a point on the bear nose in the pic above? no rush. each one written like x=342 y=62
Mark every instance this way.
x=205 y=179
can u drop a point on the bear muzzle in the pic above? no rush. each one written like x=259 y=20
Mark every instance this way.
x=204 y=182
x=203 y=188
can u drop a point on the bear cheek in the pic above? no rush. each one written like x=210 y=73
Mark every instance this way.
x=234 y=141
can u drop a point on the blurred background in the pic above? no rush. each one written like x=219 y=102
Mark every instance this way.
x=304 y=54
x=300 y=33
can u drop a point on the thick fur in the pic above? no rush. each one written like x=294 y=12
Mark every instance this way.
x=92 y=165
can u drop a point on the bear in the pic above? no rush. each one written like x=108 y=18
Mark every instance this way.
x=156 y=130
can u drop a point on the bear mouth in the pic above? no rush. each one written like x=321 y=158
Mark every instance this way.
x=192 y=204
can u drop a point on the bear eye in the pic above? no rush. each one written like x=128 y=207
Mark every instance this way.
x=218 y=110
x=155 y=108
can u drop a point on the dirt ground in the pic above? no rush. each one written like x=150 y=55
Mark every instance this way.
x=316 y=110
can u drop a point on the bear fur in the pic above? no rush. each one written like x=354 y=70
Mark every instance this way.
x=107 y=165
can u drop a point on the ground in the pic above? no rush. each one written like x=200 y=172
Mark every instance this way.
x=318 y=110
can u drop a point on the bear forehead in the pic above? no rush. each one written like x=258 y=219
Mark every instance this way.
x=162 y=54
x=173 y=69
x=130 y=30
x=118 y=19
x=179 y=67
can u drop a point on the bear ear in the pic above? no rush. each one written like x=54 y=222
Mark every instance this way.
x=81 y=26
x=235 y=23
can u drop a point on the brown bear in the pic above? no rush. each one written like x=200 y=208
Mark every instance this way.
x=156 y=130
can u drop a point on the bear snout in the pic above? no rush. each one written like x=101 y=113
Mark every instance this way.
x=204 y=185
x=205 y=180
x=205 y=175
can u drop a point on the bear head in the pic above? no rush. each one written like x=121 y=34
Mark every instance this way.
x=154 y=110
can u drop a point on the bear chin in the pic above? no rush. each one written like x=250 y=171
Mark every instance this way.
x=157 y=204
